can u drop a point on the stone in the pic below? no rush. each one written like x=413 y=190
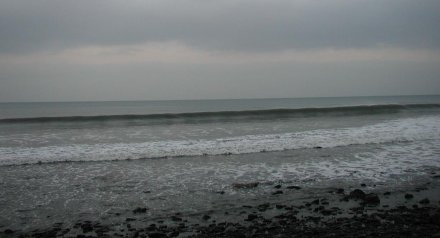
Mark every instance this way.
x=157 y=235
x=293 y=187
x=424 y=201
x=87 y=227
x=251 y=217
x=371 y=199
x=408 y=196
x=140 y=210
x=245 y=185
x=357 y=194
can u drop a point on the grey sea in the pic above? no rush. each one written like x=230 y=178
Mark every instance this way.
x=70 y=161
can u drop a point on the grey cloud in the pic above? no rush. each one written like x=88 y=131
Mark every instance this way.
x=246 y=25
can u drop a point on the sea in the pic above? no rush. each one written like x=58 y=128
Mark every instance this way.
x=61 y=162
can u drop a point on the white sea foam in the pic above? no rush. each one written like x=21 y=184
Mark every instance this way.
x=410 y=129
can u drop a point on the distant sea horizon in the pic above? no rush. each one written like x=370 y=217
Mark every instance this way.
x=217 y=99
x=12 y=110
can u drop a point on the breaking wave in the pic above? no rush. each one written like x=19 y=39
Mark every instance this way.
x=218 y=115
x=409 y=129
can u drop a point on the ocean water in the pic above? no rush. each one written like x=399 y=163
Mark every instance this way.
x=91 y=160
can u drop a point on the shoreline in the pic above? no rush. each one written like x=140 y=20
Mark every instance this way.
x=338 y=213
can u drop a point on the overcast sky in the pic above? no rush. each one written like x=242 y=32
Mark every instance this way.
x=53 y=50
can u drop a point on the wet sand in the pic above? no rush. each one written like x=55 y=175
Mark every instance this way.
x=340 y=212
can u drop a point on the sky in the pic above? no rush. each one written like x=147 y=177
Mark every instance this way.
x=88 y=50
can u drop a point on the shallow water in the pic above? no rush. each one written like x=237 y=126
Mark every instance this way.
x=98 y=190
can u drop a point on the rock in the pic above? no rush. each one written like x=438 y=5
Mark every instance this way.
x=318 y=147
x=424 y=201
x=386 y=193
x=408 y=196
x=363 y=185
x=340 y=191
x=436 y=234
x=251 y=217
x=87 y=227
x=157 y=235
x=326 y=212
x=230 y=229
x=277 y=192
x=140 y=210
x=8 y=231
x=278 y=186
x=175 y=218
x=245 y=185
x=357 y=194
x=206 y=217
x=371 y=199
x=316 y=202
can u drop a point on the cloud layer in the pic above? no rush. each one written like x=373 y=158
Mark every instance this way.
x=234 y=25
x=52 y=50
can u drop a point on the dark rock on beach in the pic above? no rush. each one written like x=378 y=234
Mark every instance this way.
x=140 y=210
x=357 y=194
x=424 y=201
x=276 y=217
x=245 y=185
x=371 y=199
